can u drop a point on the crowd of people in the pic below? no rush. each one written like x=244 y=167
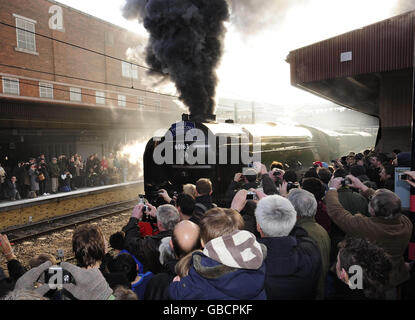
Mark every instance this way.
x=338 y=231
x=38 y=177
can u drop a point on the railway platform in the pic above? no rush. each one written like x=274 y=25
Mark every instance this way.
x=27 y=211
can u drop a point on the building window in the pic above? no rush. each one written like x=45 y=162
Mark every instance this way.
x=158 y=104
x=11 y=86
x=46 y=90
x=25 y=33
x=129 y=70
x=100 y=97
x=141 y=102
x=75 y=94
x=122 y=101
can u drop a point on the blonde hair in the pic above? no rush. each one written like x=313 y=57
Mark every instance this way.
x=190 y=189
x=183 y=265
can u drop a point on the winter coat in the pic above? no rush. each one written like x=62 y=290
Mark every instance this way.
x=353 y=202
x=16 y=270
x=210 y=280
x=54 y=170
x=322 y=217
x=144 y=249
x=392 y=235
x=158 y=287
x=203 y=203
x=11 y=189
x=322 y=239
x=293 y=266
x=222 y=272
x=34 y=184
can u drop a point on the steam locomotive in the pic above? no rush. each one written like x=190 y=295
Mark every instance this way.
x=199 y=147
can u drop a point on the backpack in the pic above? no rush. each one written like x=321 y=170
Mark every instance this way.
x=203 y=207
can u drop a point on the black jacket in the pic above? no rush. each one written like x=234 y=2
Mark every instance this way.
x=293 y=266
x=158 y=287
x=146 y=250
x=203 y=204
x=16 y=270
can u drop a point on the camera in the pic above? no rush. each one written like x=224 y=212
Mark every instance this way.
x=292 y=185
x=58 y=275
x=141 y=200
x=251 y=196
x=277 y=173
x=404 y=176
x=346 y=182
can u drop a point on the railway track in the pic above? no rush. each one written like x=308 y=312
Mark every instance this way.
x=32 y=230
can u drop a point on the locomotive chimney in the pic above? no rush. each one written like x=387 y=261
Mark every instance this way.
x=199 y=117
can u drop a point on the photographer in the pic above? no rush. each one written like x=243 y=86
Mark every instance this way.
x=43 y=177
x=289 y=181
x=34 y=180
x=245 y=180
x=66 y=181
x=164 y=194
x=54 y=173
x=12 y=192
x=351 y=201
x=147 y=249
x=386 y=225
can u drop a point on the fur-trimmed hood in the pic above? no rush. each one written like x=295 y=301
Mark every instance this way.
x=209 y=279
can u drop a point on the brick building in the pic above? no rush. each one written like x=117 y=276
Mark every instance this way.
x=67 y=85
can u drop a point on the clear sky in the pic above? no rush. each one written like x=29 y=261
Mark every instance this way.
x=253 y=67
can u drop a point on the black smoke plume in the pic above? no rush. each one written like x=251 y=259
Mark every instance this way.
x=185 y=44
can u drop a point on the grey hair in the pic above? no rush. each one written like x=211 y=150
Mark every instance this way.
x=23 y=294
x=168 y=216
x=166 y=252
x=276 y=216
x=386 y=204
x=304 y=202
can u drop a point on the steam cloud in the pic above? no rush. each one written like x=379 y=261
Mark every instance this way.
x=185 y=44
x=403 y=6
x=252 y=16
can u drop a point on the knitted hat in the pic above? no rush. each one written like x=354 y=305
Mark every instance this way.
x=238 y=250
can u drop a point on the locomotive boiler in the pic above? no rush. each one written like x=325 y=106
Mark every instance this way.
x=199 y=147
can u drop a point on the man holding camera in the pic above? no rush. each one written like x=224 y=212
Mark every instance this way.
x=386 y=226
x=147 y=249
x=245 y=180
x=66 y=181
x=351 y=201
